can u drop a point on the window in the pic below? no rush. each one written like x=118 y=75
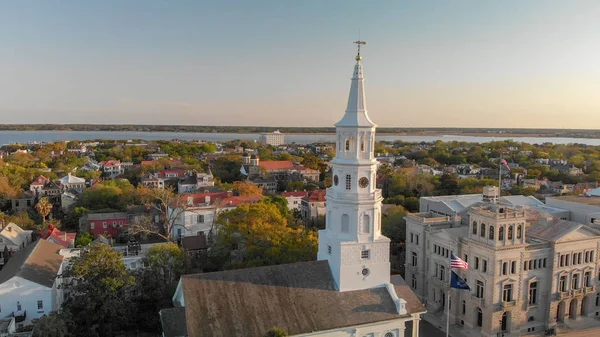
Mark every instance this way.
x=479 y=289
x=525 y=265
x=329 y=250
x=507 y=293
x=510 y=232
x=562 y=260
x=598 y=299
x=417 y=235
x=575 y=281
x=414 y=282
x=544 y=262
x=476 y=262
x=482 y=230
x=345 y=223
x=40 y=305
x=519 y=232
x=348 y=182
x=504 y=268
x=347 y=145
x=200 y=218
x=114 y=224
x=92 y=225
x=412 y=236
x=466 y=258
x=491 y=234
x=574 y=259
x=501 y=233
x=474 y=227
x=464 y=307
x=442 y=273
x=437 y=267
x=365 y=254
x=532 y=293
x=513 y=267
x=562 y=284
x=414 y=259
x=587 y=278
x=104 y=224
x=362 y=144
x=485 y=266
x=120 y=223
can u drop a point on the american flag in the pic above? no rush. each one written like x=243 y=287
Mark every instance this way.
x=457 y=262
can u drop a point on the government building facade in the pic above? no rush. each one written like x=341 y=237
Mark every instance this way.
x=529 y=272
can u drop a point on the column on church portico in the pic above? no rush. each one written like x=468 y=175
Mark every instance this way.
x=416 y=324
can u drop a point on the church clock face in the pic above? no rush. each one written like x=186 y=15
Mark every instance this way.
x=363 y=182
x=336 y=180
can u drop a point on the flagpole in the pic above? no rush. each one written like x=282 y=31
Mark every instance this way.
x=499 y=180
x=448 y=301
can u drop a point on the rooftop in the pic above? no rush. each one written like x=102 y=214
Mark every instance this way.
x=248 y=302
x=38 y=262
x=580 y=199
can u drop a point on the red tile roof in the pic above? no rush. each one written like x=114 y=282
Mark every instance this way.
x=109 y=163
x=275 y=165
x=316 y=196
x=176 y=173
x=62 y=238
x=297 y=194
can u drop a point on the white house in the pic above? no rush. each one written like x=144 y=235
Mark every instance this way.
x=348 y=292
x=13 y=238
x=294 y=199
x=71 y=182
x=28 y=282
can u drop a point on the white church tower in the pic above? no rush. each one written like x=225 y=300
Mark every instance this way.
x=358 y=254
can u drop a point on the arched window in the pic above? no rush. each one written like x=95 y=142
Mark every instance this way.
x=501 y=233
x=347 y=144
x=510 y=232
x=345 y=223
x=491 y=233
x=519 y=232
x=474 y=227
x=482 y=230
x=366 y=224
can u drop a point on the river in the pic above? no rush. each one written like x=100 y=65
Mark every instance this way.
x=9 y=137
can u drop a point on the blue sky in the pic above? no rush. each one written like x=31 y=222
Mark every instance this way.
x=456 y=63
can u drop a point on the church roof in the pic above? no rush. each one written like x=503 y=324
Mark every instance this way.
x=299 y=298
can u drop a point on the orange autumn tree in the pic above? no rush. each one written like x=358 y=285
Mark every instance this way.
x=258 y=235
x=246 y=187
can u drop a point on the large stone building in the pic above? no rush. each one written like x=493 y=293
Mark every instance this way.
x=274 y=138
x=528 y=271
x=348 y=292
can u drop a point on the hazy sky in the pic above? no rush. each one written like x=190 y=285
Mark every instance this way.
x=533 y=63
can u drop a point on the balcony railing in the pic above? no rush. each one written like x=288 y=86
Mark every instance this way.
x=590 y=289
x=565 y=294
x=478 y=301
x=508 y=304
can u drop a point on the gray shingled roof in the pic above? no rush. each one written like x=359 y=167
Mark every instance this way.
x=38 y=262
x=298 y=297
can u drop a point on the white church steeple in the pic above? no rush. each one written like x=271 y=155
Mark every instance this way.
x=352 y=243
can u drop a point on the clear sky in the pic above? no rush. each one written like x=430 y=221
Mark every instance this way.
x=511 y=63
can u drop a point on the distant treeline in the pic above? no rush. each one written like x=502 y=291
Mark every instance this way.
x=259 y=129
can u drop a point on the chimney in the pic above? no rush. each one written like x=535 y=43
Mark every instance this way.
x=229 y=194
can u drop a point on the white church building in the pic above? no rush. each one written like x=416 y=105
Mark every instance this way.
x=348 y=291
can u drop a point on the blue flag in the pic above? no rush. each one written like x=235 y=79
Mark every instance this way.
x=458 y=283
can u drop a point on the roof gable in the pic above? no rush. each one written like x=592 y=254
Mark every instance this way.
x=581 y=232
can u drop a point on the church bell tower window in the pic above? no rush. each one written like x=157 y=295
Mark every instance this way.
x=348 y=182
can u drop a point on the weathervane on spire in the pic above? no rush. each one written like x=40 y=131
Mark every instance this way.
x=358 y=43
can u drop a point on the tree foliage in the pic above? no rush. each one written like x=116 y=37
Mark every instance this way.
x=247 y=188
x=98 y=291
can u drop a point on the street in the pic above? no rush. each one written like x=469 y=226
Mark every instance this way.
x=425 y=330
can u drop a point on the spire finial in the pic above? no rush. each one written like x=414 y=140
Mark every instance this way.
x=358 y=43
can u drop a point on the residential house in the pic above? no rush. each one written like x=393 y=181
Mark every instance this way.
x=313 y=205
x=283 y=171
x=197 y=215
x=294 y=199
x=156 y=156
x=194 y=181
x=71 y=182
x=68 y=199
x=268 y=184
x=38 y=184
x=567 y=169
x=107 y=224
x=12 y=239
x=8 y=328
x=23 y=202
x=54 y=235
x=112 y=168
x=79 y=150
x=152 y=180
x=27 y=282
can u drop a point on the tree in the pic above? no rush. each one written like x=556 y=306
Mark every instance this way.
x=393 y=224
x=83 y=240
x=44 y=208
x=246 y=187
x=165 y=260
x=99 y=290
x=53 y=325
x=71 y=220
x=22 y=219
x=6 y=190
x=257 y=234
x=167 y=205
